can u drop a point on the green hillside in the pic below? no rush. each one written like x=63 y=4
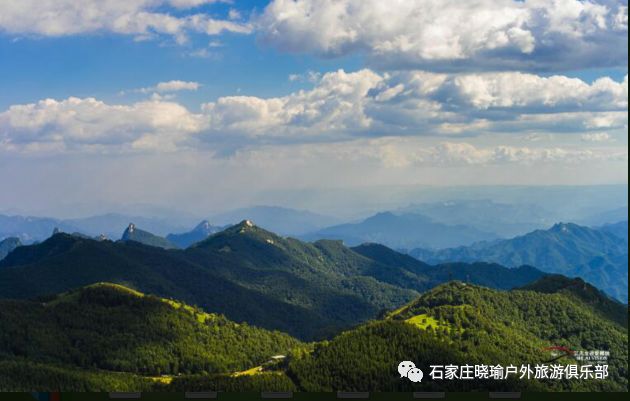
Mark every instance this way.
x=110 y=330
x=106 y=337
x=462 y=324
x=248 y=274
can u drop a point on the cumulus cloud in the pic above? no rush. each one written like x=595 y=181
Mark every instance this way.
x=340 y=106
x=451 y=34
x=336 y=105
x=421 y=103
x=140 y=18
x=92 y=124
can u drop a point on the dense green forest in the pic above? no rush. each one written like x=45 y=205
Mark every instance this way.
x=106 y=327
x=459 y=324
x=249 y=275
x=108 y=337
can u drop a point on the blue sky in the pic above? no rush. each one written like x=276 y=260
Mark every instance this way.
x=229 y=100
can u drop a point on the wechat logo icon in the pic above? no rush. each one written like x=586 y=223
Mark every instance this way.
x=408 y=369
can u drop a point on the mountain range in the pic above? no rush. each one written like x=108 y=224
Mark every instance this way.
x=281 y=220
x=134 y=234
x=402 y=231
x=32 y=229
x=202 y=231
x=249 y=274
x=599 y=256
x=503 y=219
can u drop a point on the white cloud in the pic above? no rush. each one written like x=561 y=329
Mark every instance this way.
x=447 y=34
x=172 y=86
x=596 y=137
x=340 y=106
x=310 y=76
x=193 y=3
x=335 y=105
x=234 y=14
x=406 y=154
x=91 y=124
x=519 y=90
x=140 y=18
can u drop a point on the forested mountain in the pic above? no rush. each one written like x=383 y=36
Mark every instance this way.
x=598 y=256
x=460 y=324
x=107 y=327
x=132 y=233
x=7 y=245
x=402 y=231
x=110 y=338
x=199 y=233
x=248 y=274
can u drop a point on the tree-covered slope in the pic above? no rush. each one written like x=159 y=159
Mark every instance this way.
x=598 y=256
x=111 y=327
x=249 y=274
x=460 y=324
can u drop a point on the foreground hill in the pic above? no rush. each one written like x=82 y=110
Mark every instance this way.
x=110 y=328
x=598 y=256
x=106 y=337
x=403 y=231
x=248 y=274
x=463 y=324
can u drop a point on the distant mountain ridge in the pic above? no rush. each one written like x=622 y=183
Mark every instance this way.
x=31 y=229
x=505 y=220
x=202 y=231
x=619 y=229
x=402 y=231
x=281 y=220
x=249 y=274
x=596 y=255
x=7 y=245
x=132 y=233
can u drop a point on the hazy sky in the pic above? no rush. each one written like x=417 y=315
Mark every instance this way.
x=203 y=105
